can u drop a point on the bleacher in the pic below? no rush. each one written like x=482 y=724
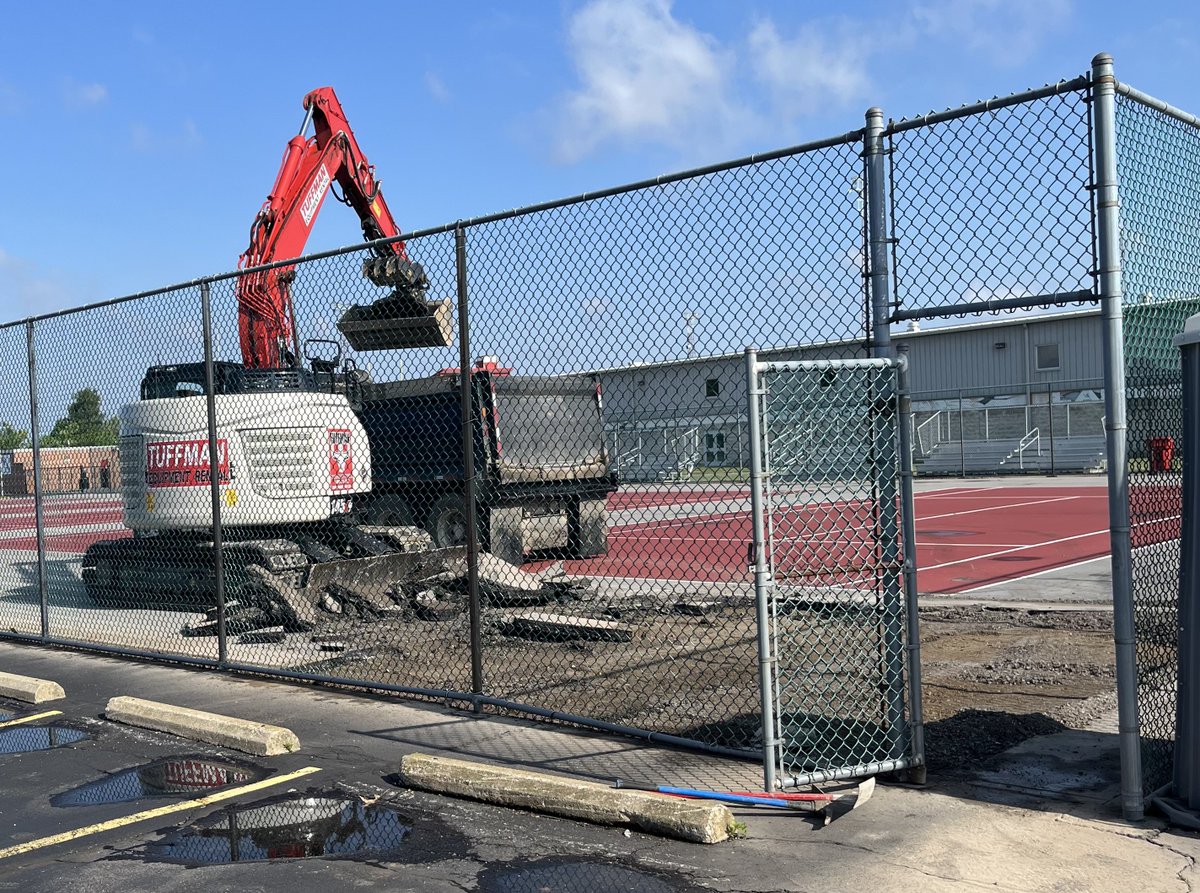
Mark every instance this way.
x=1069 y=455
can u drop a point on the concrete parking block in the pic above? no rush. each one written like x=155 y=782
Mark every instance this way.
x=699 y=822
x=245 y=735
x=29 y=689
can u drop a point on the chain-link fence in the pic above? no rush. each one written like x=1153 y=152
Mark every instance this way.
x=1158 y=168
x=447 y=510
x=516 y=474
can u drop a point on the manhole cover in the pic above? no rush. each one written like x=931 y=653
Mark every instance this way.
x=27 y=738
x=560 y=876
x=173 y=776
x=298 y=826
x=946 y=534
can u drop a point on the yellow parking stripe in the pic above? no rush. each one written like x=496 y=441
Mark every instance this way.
x=87 y=830
x=32 y=718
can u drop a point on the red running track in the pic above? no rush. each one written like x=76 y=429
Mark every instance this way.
x=967 y=537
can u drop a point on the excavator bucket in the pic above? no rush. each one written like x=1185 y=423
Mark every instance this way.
x=404 y=318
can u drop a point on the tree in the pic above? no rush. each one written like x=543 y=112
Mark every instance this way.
x=84 y=424
x=12 y=438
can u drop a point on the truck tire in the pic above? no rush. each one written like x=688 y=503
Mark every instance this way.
x=506 y=534
x=587 y=528
x=390 y=511
x=447 y=521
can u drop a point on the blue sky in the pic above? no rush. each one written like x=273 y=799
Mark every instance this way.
x=142 y=138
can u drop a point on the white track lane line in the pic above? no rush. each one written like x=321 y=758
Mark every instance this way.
x=994 y=508
x=1030 y=576
x=1065 y=539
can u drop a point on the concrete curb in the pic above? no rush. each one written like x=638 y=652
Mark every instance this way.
x=698 y=822
x=249 y=737
x=29 y=689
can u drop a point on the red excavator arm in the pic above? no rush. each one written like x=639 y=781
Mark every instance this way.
x=266 y=317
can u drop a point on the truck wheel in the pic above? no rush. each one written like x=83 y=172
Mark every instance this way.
x=390 y=511
x=506 y=535
x=587 y=528
x=447 y=522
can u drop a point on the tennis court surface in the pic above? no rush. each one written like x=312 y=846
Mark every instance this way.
x=967 y=536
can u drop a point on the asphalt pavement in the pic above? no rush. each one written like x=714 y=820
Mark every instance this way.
x=1042 y=818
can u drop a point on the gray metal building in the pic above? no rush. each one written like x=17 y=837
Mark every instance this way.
x=1014 y=394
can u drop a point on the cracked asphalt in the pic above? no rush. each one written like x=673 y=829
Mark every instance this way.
x=999 y=825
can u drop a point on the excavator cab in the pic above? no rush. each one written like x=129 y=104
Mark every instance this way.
x=402 y=319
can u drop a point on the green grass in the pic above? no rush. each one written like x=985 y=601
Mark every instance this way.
x=725 y=473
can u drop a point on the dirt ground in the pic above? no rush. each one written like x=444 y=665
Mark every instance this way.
x=995 y=677
x=992 y=677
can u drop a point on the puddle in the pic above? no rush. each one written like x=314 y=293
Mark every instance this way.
x=946 y=534
x=25 y=738
x=298 y=826
x=1017 y=558
x=9 y=710
x=172 y=776
x=561 y=876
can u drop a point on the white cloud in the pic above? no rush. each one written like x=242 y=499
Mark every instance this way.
x=1006 y=31
x=814 y=68
x=78 y=95
x=152 y=141
x=437 y=87
x=646 y=76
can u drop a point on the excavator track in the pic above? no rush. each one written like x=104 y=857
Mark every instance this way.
x=267 y=582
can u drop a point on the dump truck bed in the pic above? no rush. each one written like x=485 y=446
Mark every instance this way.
x=527 y=429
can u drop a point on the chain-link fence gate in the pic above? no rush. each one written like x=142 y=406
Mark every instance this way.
x=834 y=569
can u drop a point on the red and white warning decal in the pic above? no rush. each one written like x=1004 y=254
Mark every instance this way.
x=341 y=460
x=185 y=463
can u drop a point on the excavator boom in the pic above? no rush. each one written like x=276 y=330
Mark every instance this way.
x=311 y=164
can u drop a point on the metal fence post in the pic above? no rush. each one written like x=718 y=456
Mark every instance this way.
x=35 y=439
x=1109 y=256
x=1186 y=755
x=214 y=477
x=762 y=576
x=884 y=441
x=908 y=528
x=1050 y=425
x=962 y=447
x=468 y=434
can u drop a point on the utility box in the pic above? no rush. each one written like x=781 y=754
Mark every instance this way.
x=1186 y=776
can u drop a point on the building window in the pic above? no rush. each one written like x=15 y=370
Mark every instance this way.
x=712 y=388
x=714 y=448
x=1045 y=357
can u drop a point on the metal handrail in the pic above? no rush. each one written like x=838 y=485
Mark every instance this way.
x=937 y=437
x=689 y=460
x=1032 y=437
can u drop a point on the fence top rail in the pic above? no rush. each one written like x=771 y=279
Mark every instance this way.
x=1157 y=104
x=832 y=365
x=1081 y=82
x=852 y=137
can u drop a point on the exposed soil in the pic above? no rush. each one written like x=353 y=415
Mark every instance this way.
x=991 y=677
